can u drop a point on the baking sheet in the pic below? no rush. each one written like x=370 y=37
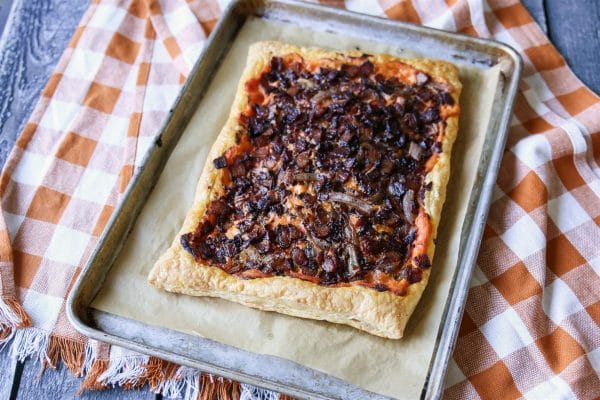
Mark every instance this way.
x=394 y=368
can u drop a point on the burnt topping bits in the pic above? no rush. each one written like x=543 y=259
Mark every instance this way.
x=327 y=178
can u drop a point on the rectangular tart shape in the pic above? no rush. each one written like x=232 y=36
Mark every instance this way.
x=322 y=194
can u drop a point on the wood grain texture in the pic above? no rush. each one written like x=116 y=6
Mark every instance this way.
x=35 y=35
x=8 y=372
x=537 y=11
x=33 y=38
x=60 y=384
x=574 y=28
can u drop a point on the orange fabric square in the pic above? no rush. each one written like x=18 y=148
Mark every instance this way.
x=48 y=205
x=122 y=48
x=559 y=349
x=469 y=30
x=134 y=124
x=101 y=97
x=530 y=193
x=537 y=125
x=208 y=26
x=125 y=176
x=402 y=10
x=143 y=73
x=102 y=220
x=139 y=9
x=594 y=311
x=513 y=16
x=51 y=85
x=172 y=47
x=25 y=267
x=496 y=382
x=562 y=256
x=566 y=170
x=596 y=146
x=545 y=57
x=488 y=232
x=467 y=325
x=76 y=149
x=578 y=100
x=26 y=135
x=517 y=284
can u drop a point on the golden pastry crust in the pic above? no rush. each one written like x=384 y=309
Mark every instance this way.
x=380 y=313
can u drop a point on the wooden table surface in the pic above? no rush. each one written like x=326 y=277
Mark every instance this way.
x=34 y=33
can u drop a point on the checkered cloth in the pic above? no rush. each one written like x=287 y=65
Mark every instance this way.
x=531 y=323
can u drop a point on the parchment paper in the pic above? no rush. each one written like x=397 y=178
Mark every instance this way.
x=394 y=368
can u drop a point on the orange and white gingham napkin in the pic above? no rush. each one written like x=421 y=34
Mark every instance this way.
x=531 y=323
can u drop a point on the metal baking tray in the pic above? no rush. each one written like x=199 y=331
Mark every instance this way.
x=269 y=371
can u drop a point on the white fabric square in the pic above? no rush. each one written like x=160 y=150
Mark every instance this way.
x=555 y=389
x=59 y=115
x=566 y=212
x=576 y=132
x=192 y=52
x=533 y=151
x=594 y=359
x=130 y=85
x=67 y=246
x=42 y=309
x=537 y=83
x=107 y=17
x=559 y=301
x=524 y=238
x=160 y=97
x=506 y=333
x=115 y=130
x=160 y=53
x=365 y=7
x=13 y=223
x=454 y=375
x=180 y=19
x=535 y=102
x=478 y=278
x=84 y=64
x=143 y=144
x=95 y=186
x=444 y=21
x=31 y=169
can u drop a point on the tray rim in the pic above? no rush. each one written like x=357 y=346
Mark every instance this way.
x=460 y=279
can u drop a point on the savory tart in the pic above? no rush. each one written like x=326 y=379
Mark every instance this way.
x=322 y=194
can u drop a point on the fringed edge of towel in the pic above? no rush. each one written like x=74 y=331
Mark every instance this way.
x=12 y=317
x=128 y=371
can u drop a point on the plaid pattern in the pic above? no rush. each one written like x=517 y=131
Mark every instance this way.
x=531 y=323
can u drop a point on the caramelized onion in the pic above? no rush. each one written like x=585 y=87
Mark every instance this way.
x=353 y=265
x=351 y=201
x=306 y=177
x=320 y=243
x=407 y=205
x=415 y=151
x=305 y=83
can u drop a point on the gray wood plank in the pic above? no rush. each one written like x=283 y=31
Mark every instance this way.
x=35 y=35
x=537 y=11
x=60 y=384
x=8 y=369
x=574 y=28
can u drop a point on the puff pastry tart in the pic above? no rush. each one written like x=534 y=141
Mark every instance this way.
x=322 y=194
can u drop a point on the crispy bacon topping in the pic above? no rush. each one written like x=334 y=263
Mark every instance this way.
x=327 y=179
